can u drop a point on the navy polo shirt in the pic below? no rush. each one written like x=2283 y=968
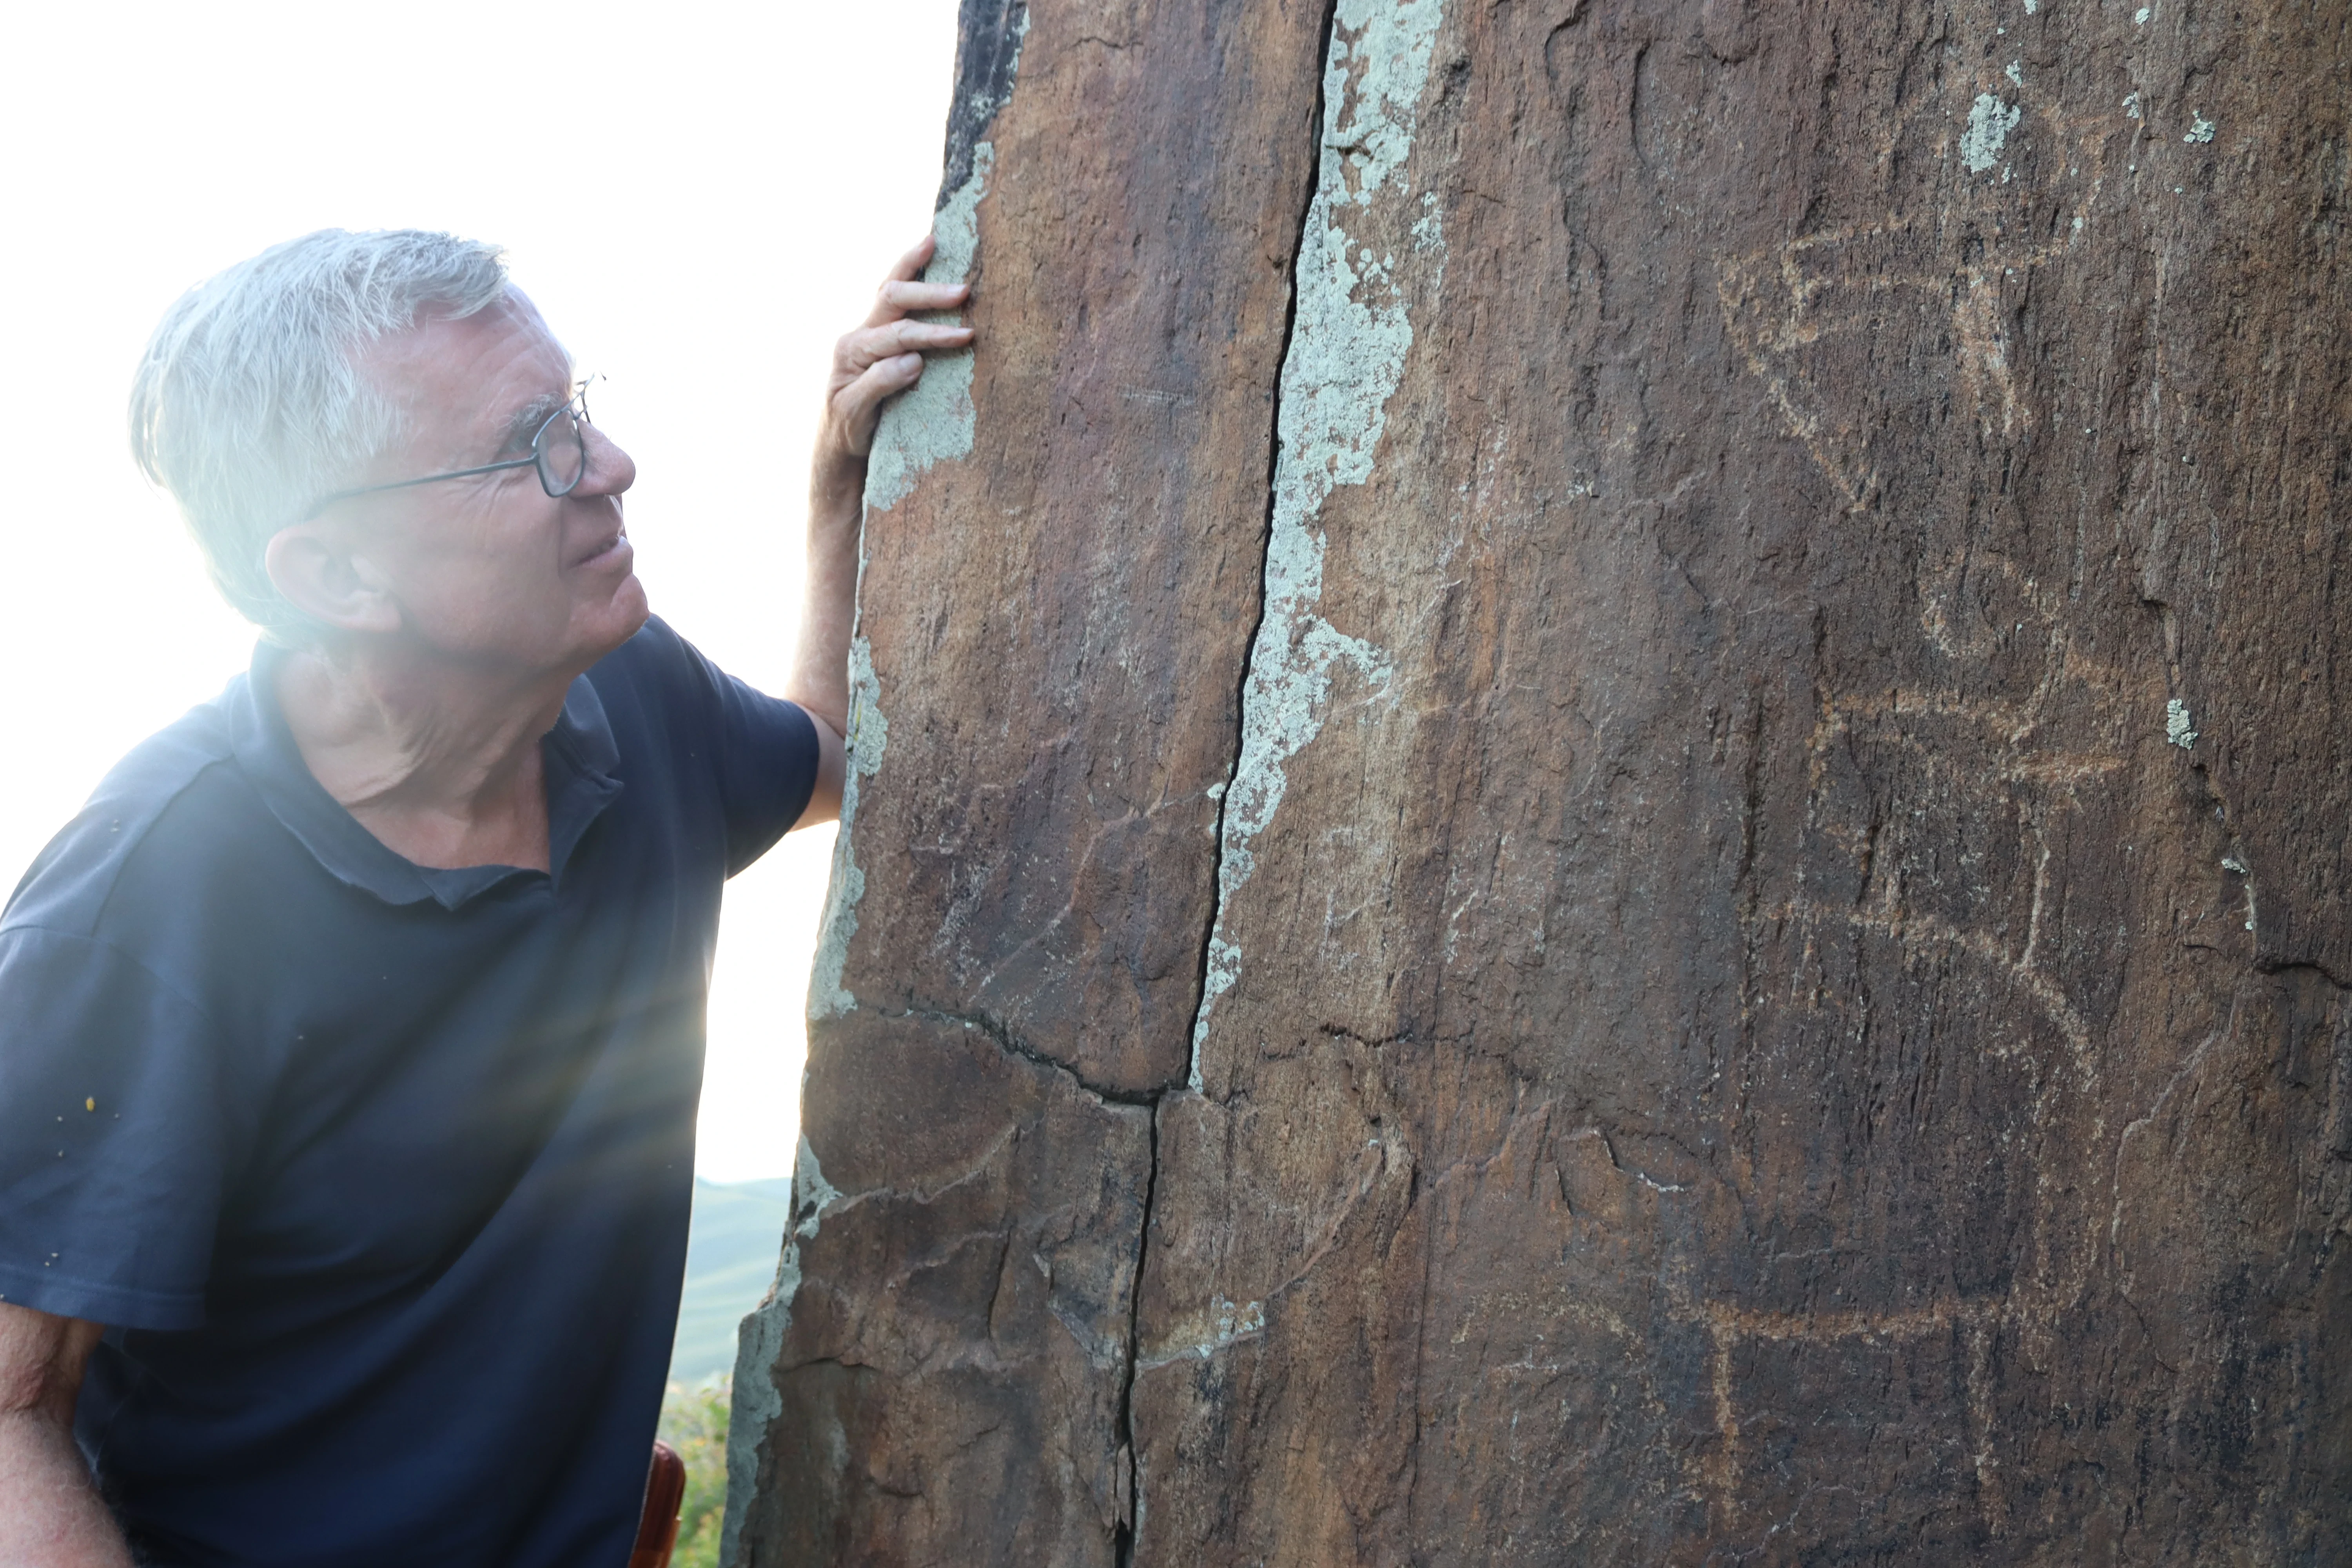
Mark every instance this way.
x=379 y=1175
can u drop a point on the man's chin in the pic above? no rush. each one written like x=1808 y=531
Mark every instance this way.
x=596 y=630
x=629 y=610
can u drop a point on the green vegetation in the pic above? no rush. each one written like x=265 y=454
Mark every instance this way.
x=694 y=1422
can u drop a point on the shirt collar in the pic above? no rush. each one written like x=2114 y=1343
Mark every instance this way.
x=579 y=757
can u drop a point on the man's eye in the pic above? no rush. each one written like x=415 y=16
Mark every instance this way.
x=525 y=428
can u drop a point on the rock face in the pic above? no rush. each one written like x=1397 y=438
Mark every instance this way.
x=1600 y=806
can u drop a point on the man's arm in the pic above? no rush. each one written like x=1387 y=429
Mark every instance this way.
x=880 y=359
x=50 y=1516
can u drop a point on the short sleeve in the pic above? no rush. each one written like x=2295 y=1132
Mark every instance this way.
x=115 y=1140
x=767 y=768
x=766 y=753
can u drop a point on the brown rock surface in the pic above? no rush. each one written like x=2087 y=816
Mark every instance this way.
x=1704 y=920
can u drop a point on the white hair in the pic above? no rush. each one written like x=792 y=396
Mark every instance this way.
x=248 y=405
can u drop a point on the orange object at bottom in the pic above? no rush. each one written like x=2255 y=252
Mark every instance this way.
x=657 y=1525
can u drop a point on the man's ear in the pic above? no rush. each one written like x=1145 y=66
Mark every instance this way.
x=319 y=572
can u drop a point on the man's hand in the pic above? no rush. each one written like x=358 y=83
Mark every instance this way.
x=50 y=1515
x=884 y=356
x=870 y=366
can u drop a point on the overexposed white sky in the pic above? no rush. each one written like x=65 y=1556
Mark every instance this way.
x=700 y=199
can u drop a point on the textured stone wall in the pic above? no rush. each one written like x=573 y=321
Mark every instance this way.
x=1600 y=804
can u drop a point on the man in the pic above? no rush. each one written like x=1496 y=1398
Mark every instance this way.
x=351 y=1038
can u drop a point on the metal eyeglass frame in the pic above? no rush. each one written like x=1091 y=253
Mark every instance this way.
x=575 y=410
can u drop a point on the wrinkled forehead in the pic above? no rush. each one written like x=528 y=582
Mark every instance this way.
x=460 y=381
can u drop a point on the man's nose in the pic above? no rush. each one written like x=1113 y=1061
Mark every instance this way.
x=610 y=469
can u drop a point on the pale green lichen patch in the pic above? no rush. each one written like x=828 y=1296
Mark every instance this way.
x=1346 y=357
x=869 y=732
x=1989 y=122
x=2199 y=129
x=759 y=1341
x=2177 y=728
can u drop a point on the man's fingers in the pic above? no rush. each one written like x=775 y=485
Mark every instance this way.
x=870 y=345
x=858 y=406
x=884 y=356
x=915 y=260
x=902 y=275
x=896 y=298
x=900 y=293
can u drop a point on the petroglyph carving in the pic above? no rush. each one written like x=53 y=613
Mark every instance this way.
x=1811 y=315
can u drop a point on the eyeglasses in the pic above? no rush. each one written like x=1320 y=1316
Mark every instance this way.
x=559 y=451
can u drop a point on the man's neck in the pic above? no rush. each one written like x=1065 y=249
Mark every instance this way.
x=440 y=761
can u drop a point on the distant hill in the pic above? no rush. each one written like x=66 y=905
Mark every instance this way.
x=730 y=1259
